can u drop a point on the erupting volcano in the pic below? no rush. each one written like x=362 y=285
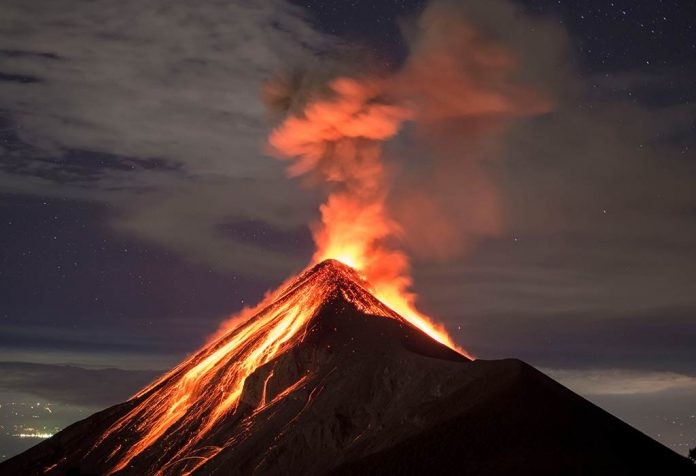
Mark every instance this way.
x=337 y=372
x=195 y=396
x=324 y=378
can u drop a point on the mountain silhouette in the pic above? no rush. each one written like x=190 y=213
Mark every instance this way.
x=328 y=380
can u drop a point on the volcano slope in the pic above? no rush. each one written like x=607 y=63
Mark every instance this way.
x=351 y=388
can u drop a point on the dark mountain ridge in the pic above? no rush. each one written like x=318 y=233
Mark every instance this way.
x=362 y=392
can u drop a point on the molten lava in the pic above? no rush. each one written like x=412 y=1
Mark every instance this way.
x=197 y=394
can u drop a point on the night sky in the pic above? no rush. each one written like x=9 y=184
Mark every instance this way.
x=139 y=207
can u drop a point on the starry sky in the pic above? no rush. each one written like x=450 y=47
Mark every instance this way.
x=139 y=207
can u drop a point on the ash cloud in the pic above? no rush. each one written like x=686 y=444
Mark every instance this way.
x=174 y=83
x=459 y=87
x=73 y=385
x=468 y=84
x=622 y=381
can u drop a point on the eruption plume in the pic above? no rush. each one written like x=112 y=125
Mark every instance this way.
x=456 y=82
x=339 y=140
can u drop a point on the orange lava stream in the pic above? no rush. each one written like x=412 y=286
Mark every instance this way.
x=209 y=385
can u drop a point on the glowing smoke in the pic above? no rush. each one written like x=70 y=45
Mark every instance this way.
x=456 y=86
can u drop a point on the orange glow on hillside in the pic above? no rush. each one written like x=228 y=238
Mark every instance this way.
x=209 y=385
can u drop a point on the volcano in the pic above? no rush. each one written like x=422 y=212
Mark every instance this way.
x=326 y=379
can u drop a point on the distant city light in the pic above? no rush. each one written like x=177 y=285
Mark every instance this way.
x=33 y=435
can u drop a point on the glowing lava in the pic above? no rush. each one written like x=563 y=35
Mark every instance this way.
x=207 y=387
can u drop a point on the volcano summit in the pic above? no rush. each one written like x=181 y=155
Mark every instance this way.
x=328 y=380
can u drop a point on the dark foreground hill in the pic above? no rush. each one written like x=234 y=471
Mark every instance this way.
x=357 y=390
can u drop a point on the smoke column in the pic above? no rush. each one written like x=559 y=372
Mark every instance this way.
x=456 y=84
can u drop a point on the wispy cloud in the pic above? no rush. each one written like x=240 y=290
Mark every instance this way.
x=622 y=381
x=72 y=385
x=154 y=108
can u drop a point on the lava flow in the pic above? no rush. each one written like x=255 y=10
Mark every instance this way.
x=194 y=396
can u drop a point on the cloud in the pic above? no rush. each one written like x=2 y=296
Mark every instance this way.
x=169 y=90
x=73 y=385
x=190 y=217
x=655 y=339
x=622 y=381
x=140 y=80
